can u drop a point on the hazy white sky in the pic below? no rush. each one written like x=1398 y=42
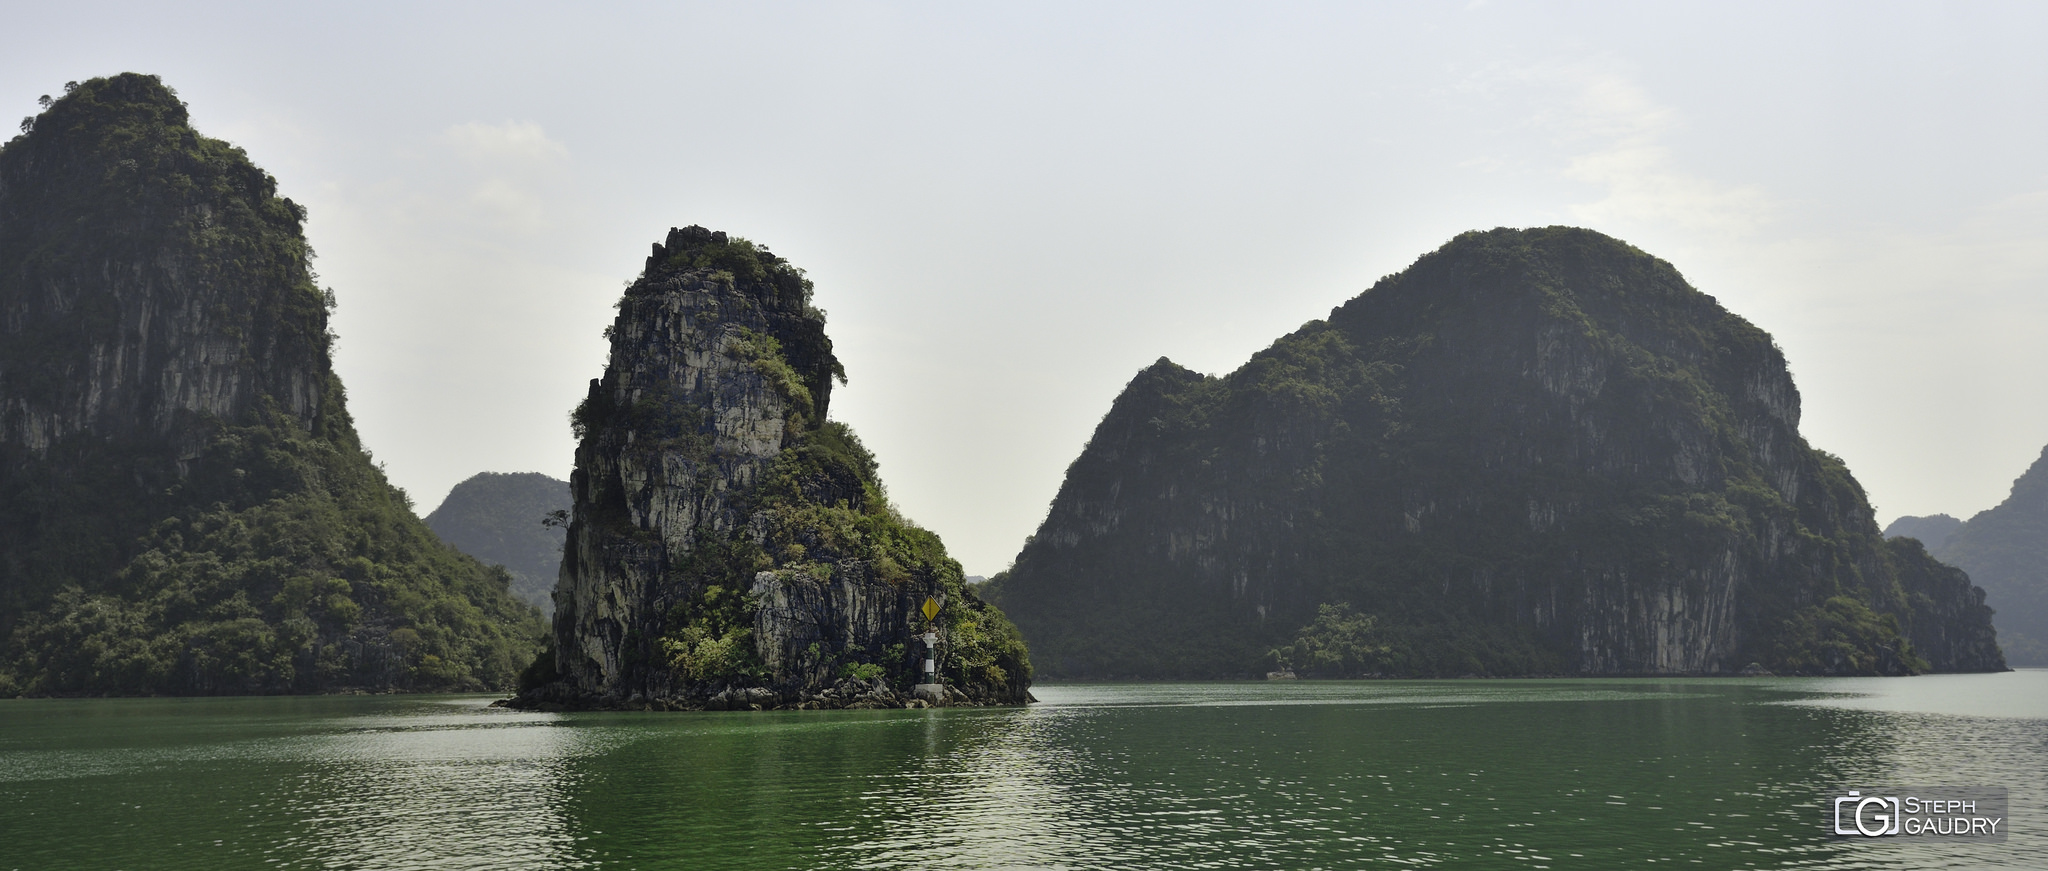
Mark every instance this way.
x=1010 y=209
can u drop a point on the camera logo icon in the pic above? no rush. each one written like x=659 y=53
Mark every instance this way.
x=1872 y=816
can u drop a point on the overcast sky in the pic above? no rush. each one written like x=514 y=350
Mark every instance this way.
x=1009 y=209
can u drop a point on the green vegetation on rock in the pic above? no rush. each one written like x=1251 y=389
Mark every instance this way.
x=1843 y=636
x=184 y=504
x=1532 y=452
x=730 y=545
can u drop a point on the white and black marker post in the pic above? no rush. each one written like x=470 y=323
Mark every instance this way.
x=931 y=641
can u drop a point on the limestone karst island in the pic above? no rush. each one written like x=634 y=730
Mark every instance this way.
x=1534 y=452
x=731 y=547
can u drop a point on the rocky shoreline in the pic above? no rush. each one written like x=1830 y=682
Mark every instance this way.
x=849 y=694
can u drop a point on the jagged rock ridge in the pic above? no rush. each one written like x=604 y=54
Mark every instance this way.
x=728 y=546
x=1533 y=451
x=184 y=504
x=503 y=518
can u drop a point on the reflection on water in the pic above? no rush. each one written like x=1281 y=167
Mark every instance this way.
x=1236 y=785
x=1568 y=773
x=402 y=790
x=282 y=783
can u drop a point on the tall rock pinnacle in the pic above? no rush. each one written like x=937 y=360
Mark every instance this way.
x=728 y=545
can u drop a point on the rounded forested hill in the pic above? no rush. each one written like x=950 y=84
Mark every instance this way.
x=499 y=517
x=185 y=507
x=1532 y=452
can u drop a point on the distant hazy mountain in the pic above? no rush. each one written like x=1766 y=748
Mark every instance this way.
x=1932 y=531
x=2005 y=550
x=496 y=517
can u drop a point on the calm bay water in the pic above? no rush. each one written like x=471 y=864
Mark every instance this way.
x=1504 y=774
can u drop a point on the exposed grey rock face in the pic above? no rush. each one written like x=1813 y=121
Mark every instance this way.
x=646 y=491
x=800 y=615
x=727 y=547
x=151 y=341
x=1533 y=452
x=162 y=365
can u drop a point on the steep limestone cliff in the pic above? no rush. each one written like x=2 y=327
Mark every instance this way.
x=1532 y=452
x=184 y=505
x=728 y=546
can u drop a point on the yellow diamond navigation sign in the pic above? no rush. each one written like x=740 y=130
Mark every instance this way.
x=931 y=609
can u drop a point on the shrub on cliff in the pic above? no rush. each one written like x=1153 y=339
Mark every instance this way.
x=1843 y=636
x=1338 y=643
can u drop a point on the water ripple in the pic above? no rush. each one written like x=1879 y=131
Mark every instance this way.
x=1536 y=774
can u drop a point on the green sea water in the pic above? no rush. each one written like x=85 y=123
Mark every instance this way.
x=1611 y=773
